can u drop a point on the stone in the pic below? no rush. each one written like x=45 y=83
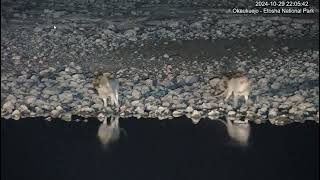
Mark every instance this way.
x=66 y=97
x=39 y=110
x=214 y=113
x=161 y=109
x=311 y=109
x=51 y=91
x=136 y=103
x=232 y=113
x=8 y=107
x=304 y=106
x=136 y=94
x=177 y=113
x=214 y=82
x=30 y=99
x=294 y=110
x=207 y=105
x=59 y=108
x=263 y=110
x=273 y=112
x=139 y=110
x=86 y=109
x=55 y=113
x=297 y=98
x=195 y=116
x=263 y=83
x=16 y=114
x=66 y=117
x=24 y=109
x=150 y=107
x=189 y=109
x=276 y=85
x=191 y=79
x=181 y=106
x=11 y=98
x=166 y=104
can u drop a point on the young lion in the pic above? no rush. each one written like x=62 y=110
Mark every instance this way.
x=239 y=85
x=107 y=86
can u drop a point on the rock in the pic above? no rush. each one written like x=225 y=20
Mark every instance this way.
x=145 y=89
x=59 y=108
x=284 y=106
x=150 y=107
x=207 y=105
x=161 y=109
x=166 y=104
x=180 y=105
x=280 y=120
x=276 y=85
x=232 y=113
x=48 y=119
x=37 y=29
x=34 y=92
x=11 y=98
x=311 y=109
x=263 y=83
x=304 y=106
x=8 y=107
x=16 y=114
x=136 y=103
x=263 y=111
x=177 y=113
x=191 y=79
x=149 y=82
x=39 y=111
x=30 y=99
x=55 y=113
x=24 y=109
x=86 y=109
x=139 y=110
x=271 y=33
x=296 y=98
x=131 y=34
x=189 y=109
x=214 y=82
x=195 y=116
x=196 y=25
x=51 y=91
x=66 y=97
x=214 y=113
x=295 y=111
x=273 y=112
x=167 y=98
x=136 y=94
x=66 y=117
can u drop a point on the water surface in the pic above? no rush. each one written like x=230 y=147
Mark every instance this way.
x=153 y=149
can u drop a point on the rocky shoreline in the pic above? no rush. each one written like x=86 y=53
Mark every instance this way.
x=280 y=95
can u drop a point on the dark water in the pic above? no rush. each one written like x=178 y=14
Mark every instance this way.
x=157 y=150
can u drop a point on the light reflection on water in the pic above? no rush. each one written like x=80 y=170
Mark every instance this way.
x=109 y=131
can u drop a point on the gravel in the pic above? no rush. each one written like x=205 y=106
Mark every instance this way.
x=168 y=65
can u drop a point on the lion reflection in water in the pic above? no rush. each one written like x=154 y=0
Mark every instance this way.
x=109 y=133
x=239 y=132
